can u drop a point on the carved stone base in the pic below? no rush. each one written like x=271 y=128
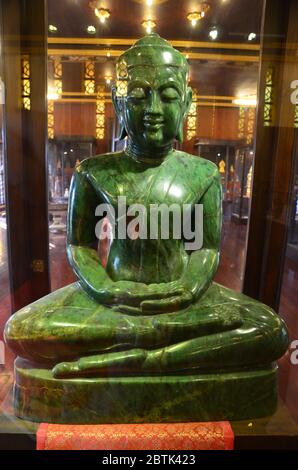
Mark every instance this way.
x=180 y=398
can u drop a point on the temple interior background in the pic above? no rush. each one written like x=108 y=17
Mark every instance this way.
x=222 y=41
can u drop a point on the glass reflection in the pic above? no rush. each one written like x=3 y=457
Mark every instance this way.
x=220 y=124
x=289 y=296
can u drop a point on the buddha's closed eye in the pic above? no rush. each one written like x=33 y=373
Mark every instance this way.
x=166 y=94
x=169 y=94
x=137 y=93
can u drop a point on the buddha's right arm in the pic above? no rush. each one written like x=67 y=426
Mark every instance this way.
x=81 y=222
x=84 y=260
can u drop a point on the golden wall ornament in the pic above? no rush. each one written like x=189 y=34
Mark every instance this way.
x=241 y=123
x=26 y=85
x=51 y=119
x=89 y=82
x=121 y=80
x=58 y=76
x=192 y=119
x=250 y=127
x=246 y=124
x=269 y=98
x=56 y=92
x=100 y=114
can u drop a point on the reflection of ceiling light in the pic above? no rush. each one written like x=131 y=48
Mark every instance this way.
x=102 y=13
x=108 y=78
x=213 y=34
x=52 y=94
x=53 y=28
x=251 y=36
x=148 y=25
x=2 y=92
x=108 y=54
x=91 y=29
x=196 y=16
x=246 y=101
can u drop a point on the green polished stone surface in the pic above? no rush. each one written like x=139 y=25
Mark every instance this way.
x=183 y=398
x=146 y=311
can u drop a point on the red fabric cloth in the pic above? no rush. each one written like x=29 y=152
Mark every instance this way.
x=165 y=436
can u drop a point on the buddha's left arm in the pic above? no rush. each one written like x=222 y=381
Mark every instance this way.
x=203 y=263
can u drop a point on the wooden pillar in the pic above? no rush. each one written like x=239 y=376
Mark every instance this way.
x=24 y=36
x=272 y=180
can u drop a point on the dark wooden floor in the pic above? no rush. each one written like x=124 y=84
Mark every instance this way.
x=230 y=274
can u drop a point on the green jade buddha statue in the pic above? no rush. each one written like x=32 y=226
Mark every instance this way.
x=145 y=334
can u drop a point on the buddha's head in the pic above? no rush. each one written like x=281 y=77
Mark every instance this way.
x=151 y=96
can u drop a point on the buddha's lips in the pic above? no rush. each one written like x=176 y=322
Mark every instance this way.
x=153 y=124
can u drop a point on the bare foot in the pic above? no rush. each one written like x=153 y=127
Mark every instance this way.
x=101 y=364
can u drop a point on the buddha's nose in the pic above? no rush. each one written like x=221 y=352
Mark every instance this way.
x=154 y=105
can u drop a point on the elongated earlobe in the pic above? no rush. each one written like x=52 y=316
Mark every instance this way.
x=187 y=104
x=179 y=136
x=188 y=100
x=118 y=111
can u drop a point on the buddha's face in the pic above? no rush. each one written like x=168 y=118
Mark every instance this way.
x=157 y=102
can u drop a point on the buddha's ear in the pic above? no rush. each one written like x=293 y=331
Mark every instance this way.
x=179 y=136
x=187 y=103
x=116 y=103
x=118 y=106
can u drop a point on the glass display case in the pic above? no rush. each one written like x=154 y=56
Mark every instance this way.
x=2 y=180
x=292 y=247
x=64 y=154
x=235 y=164
x=241 y=181
x=220 y=152
x=58 y=111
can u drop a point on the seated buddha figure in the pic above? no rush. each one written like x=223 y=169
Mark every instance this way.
x=151 y=308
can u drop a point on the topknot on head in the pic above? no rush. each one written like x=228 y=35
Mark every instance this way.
x=152 y=50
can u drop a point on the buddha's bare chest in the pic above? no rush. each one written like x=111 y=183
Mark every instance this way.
x=148 y=187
